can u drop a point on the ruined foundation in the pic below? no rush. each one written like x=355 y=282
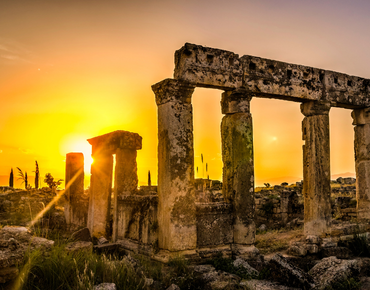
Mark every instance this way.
x=181 y=219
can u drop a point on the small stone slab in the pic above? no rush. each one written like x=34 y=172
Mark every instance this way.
x=105 y=286
x=106 y=248
x=82 y=235
x=79 y=246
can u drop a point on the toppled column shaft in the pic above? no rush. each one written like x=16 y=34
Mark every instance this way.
x=238 y=165
x=361 y=120
x=316 y=167
x=176 y=197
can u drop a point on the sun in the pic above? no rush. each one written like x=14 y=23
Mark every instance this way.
x=78 y=144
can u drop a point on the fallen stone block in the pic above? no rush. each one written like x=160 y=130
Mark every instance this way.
x=332 y=269
x=82 y=235
x=285 y=273
x=79 y=246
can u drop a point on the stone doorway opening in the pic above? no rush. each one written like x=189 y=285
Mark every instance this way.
x=277 y=141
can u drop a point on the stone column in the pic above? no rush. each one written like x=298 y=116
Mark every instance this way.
x=100 y=194
x=176 y=195
x=74 y=211
x=316 y=167
x=126 y=180
x=238 y=166
x=361 y=120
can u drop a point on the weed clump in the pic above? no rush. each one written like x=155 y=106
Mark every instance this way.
x=80 y=271
x=345 y=284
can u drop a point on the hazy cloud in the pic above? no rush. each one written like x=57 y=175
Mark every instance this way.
x=25 y=151
x=14 y=52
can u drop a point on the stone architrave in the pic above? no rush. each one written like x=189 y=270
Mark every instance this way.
x=124 y=144
x=75 y=213
x=361 y=120
x=316 y=167
x=176 y=196
x=238 y=169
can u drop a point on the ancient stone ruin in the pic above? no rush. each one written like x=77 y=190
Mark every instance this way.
x=176 y=221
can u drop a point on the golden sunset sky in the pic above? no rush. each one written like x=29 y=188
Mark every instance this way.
x=72 y=70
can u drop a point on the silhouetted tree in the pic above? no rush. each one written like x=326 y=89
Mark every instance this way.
x=149 y=180
x=23 y=177
x=11 y=178
x=53 y=184
x=37 y=176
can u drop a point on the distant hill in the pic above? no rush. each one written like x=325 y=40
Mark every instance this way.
x=278 y=180
x=347 y=174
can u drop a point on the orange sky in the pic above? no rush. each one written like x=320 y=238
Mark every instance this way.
x=72 y=70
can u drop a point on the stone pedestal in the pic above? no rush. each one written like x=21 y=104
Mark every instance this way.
x=238 y=168
x=176 y=197
x=74 y=210
x=361 y=120
x=316 y=167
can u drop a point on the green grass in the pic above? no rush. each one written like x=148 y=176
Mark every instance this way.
x=345 y=284
x=61 y=270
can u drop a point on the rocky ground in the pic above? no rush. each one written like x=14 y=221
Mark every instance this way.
x=274 y=269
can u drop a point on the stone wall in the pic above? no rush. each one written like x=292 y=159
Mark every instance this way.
x=137 y=222
x=277 y=207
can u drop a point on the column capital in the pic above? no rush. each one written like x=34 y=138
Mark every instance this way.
x=236 y=101
x=314 y=108
x=361 y=116
x=170 y=90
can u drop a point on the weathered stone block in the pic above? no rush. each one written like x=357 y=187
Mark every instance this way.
x=214 y=224
x=208 y=67
x=137 y=218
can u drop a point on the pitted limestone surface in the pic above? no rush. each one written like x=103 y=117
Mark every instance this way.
x=216 y=68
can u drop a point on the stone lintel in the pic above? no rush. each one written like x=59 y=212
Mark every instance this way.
x=236 y=101
x=315 y=108
x=361 y=116
x=170 y=90
x=108 y=143
x=221 y=69
x=208 y=67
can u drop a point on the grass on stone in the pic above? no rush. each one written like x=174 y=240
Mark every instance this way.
x=273 y=241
